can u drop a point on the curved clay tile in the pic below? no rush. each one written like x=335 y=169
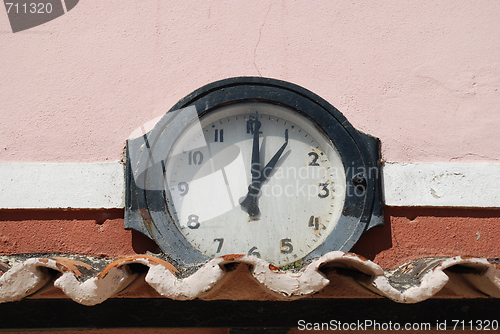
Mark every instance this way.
x=90 y=281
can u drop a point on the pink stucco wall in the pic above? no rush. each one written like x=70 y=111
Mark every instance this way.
x=423 y=76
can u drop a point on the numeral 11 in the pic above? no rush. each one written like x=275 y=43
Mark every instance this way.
x=219 y=135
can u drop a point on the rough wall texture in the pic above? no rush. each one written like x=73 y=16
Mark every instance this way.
x=408 y=234
x=422 y=76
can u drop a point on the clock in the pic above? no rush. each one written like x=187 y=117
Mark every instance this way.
x=253 y=166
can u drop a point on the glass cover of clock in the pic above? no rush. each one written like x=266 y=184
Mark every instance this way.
x=255 y=178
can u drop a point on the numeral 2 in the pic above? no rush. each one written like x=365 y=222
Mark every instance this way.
x=314 y=157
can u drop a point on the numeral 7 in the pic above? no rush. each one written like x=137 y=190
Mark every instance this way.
x=221 y=242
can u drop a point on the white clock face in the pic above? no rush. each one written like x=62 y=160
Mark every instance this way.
x=231 y=197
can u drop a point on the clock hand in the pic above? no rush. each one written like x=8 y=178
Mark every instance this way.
x=255 y=168
x=266 y=172
x=250 y=203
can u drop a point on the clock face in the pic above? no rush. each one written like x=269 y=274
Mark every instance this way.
x=255 y=178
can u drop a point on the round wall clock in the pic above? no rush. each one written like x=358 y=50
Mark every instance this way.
x=253 y=166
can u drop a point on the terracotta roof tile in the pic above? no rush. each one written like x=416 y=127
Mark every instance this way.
x=90 y=281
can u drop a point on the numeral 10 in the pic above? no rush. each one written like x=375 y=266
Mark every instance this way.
x=195 y=158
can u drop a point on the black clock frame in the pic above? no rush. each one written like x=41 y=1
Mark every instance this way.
x=151 y=211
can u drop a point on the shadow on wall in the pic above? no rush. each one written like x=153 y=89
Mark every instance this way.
x=410 y=233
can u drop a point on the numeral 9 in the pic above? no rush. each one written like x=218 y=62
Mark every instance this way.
x=183 y=188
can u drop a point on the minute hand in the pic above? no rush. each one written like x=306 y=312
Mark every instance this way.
x=250 y=203
x=266 y=172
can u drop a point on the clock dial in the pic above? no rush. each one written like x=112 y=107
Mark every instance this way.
x=255 y=178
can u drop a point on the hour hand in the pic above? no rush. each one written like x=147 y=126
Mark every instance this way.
x=266 y=172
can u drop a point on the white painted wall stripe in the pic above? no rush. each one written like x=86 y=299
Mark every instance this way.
x=474 y=185
x=101 y=185
x=61 y=185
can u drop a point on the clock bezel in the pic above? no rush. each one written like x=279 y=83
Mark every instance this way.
x=357 y=150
